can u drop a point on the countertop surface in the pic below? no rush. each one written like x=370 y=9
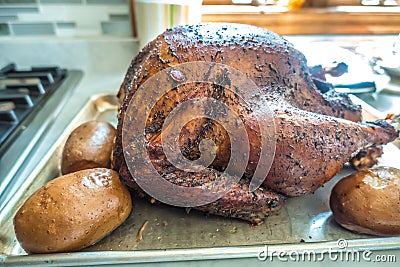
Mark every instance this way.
x=104 y=72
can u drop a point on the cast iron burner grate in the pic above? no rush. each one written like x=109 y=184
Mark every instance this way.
x=22 y=94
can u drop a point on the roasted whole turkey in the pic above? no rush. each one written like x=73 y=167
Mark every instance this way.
x=317 y=132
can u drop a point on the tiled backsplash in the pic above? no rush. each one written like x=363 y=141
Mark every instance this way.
x=64 y=18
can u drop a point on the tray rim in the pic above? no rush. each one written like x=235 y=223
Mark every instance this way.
x=190 y=254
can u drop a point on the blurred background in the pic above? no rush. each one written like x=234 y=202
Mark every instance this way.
x=79 y=18
x=310 y=16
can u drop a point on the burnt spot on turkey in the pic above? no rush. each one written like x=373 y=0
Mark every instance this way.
x=366 y=158
x=312 y=145
x=153 y=128
x=338 y=134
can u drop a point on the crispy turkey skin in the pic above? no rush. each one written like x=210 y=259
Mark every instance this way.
x=316 y=133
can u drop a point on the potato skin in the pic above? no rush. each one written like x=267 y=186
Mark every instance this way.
x=368 y=201
x=90 y=145
x=72 y=212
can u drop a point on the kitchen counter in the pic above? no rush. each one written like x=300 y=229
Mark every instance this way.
x=103 y=73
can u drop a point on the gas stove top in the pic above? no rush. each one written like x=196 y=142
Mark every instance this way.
x=22 y=94
x=30 y=101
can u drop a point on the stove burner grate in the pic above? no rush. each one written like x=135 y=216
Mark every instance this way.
x=22 y=94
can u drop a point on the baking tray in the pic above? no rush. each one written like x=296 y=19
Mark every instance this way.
x=177 y=234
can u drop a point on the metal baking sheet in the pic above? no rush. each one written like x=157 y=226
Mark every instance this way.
x=177 y=234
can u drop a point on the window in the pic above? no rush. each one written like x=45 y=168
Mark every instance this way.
x=307 y=3
x=380 y=2
x=311 y=17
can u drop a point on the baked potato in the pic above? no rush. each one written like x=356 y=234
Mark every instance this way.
x=72 y=212
x=368 y=201
x=88 y=146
